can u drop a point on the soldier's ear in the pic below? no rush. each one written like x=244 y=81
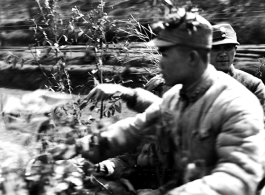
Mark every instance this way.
x=194 y=58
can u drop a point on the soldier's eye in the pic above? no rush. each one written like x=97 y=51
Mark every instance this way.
x=226 y=47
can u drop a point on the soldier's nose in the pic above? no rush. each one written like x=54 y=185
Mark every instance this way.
x=222 y=54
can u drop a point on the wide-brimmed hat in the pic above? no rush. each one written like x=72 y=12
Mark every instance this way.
x=197 y=36
x=224 y=34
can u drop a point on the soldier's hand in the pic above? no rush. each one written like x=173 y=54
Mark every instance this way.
x=105 y=91
x=105 y=167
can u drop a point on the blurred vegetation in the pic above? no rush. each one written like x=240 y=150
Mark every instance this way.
x=246 y=16
x=50 y=28
x=125 y=23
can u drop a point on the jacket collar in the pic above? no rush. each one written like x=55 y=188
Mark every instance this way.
x=197 y=89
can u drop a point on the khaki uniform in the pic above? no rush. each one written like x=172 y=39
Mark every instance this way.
x=148 y=167
x=209 y=125
x=252 y=83
x=129 y=162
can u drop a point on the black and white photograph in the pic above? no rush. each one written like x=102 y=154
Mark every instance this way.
x=132 y=97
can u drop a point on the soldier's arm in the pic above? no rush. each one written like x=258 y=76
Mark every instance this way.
x=136 y=99
x=254 y=84
x=258 y=88
x=120 y=137
x=239 y=146
x=260 y=93
x=139 y=100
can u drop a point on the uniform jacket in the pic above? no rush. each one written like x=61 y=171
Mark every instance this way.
x=252 y=83
x=216 y=124
x=147 y=166
x=129 y=161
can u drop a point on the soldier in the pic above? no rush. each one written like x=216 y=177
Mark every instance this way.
x=222 y=57
x=148 y=166
x=216 y=139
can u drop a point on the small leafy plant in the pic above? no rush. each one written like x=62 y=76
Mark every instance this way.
x=259 y=70
x=54 y=38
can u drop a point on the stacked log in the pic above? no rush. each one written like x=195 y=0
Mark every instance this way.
x=81 y=61
x=249 y=58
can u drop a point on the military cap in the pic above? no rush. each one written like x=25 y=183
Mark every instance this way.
x=193 y=30
x=224 y=34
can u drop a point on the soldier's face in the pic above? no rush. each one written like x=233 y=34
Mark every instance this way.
x=222 y=56
x=174 y=65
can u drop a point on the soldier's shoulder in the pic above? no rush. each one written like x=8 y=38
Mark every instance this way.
x=233 y=86
x=247 y=76
x=233 y=98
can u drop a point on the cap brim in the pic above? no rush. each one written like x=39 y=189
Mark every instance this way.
x=159 y=43
x=225 y=41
